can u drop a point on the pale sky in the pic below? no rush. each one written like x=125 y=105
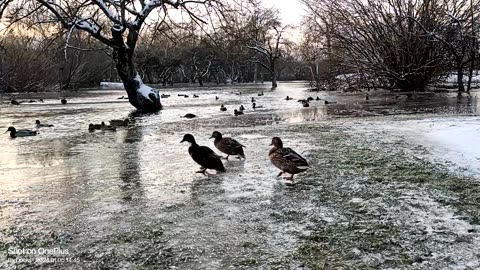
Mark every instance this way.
x=291 y=11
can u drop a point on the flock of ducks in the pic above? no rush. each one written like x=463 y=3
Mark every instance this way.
x=284 y=158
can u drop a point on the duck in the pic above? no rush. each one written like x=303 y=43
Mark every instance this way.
x=237 y=112
x=119 y=122
x=105 y=127
x=287 y=160
x=185 y=96
x=238 y=93
x=39 y=125
x=122 y=97
x=195 y=96
x=14 y=102
x=223 y=108
x=203 y=155
x=241 y=108
x=253 y=99
x=32 y=101
x=228 y=145
x=260 y=94
x=367 y=97
x=164 y=96
x=309 y=98
x=317 y=99
x=93 y=127
x=305 y=104
x=288 y=98
x=189 y=115
x=216 y=97
x=21 y=132
x=254 y=105
x=40 y=100
x=64 y=101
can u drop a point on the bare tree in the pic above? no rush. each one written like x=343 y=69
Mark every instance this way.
x=117 y=24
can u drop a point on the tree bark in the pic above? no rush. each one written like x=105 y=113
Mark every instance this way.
x=274 y=76
x=461 y=87
x=141 y=96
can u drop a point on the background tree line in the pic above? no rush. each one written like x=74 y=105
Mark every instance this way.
x=346 y=45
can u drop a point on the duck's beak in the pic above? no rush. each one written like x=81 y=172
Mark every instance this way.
x=211 y=137
x=182 y=141
x=5 y=131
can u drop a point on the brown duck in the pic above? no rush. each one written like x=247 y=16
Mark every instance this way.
x=287 y=160
x=228 y=145
x=203 y=155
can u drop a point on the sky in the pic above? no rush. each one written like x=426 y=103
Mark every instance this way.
x=291 y=11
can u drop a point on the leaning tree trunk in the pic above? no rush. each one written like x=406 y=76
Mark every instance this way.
x=461 y=87
x=141 y=96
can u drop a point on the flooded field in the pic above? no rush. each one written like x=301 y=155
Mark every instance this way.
x=393 y=183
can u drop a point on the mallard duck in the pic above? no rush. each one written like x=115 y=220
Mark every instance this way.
x=14 y=102
x=227 y=145
x=203 y=155
x=237 y=112
x=317 y=98
x=309 y=98
x=241 y=108
x=216 y=97
x=189 y=115
x=185 y=96
x=253 y=99
x=38 y=125
x=105 y=127
x=260 y=94
x=64 y=101
x=21 y=132
x=195 y=96
x=305 y=104
x=287 y=160
x=93 y=127
x=254 y=105
x=122 y=97
x=164 y=96
x=119 y=122
x=223 y=108
x=288 y=98
x=41 y=100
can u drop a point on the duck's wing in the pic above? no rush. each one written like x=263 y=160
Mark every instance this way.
x=231 y=143
x=292 y=156
x=207 y=158
x=25 y=132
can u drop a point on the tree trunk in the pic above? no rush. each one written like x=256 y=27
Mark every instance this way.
x=461 y=87
x=141 y=96
x=274 y=76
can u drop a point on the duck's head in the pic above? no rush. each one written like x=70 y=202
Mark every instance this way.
x=103 y=124
x=277 y=142
x=11 y=129
x=188 y=138
x=37 y=122
x=216 y=135
x=235 y=111
x=221 y=106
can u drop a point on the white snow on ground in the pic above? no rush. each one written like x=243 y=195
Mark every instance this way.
x=452 y=78
x=452 y=140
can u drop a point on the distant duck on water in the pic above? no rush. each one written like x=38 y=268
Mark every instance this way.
x=260 y=94
x=119 y=122
x=21 y=132
x=253 y=99
x=93 y=127
x=237 y=112
x=39 y=125
x=228 y=145
x=195 y=95
x=285 y=159
x=288 y=98
x=223 y=108
x=241 y=108
x=103 y=126
x=203 y=155
x=14 y=102
x=64 y=101
x=189 y=115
